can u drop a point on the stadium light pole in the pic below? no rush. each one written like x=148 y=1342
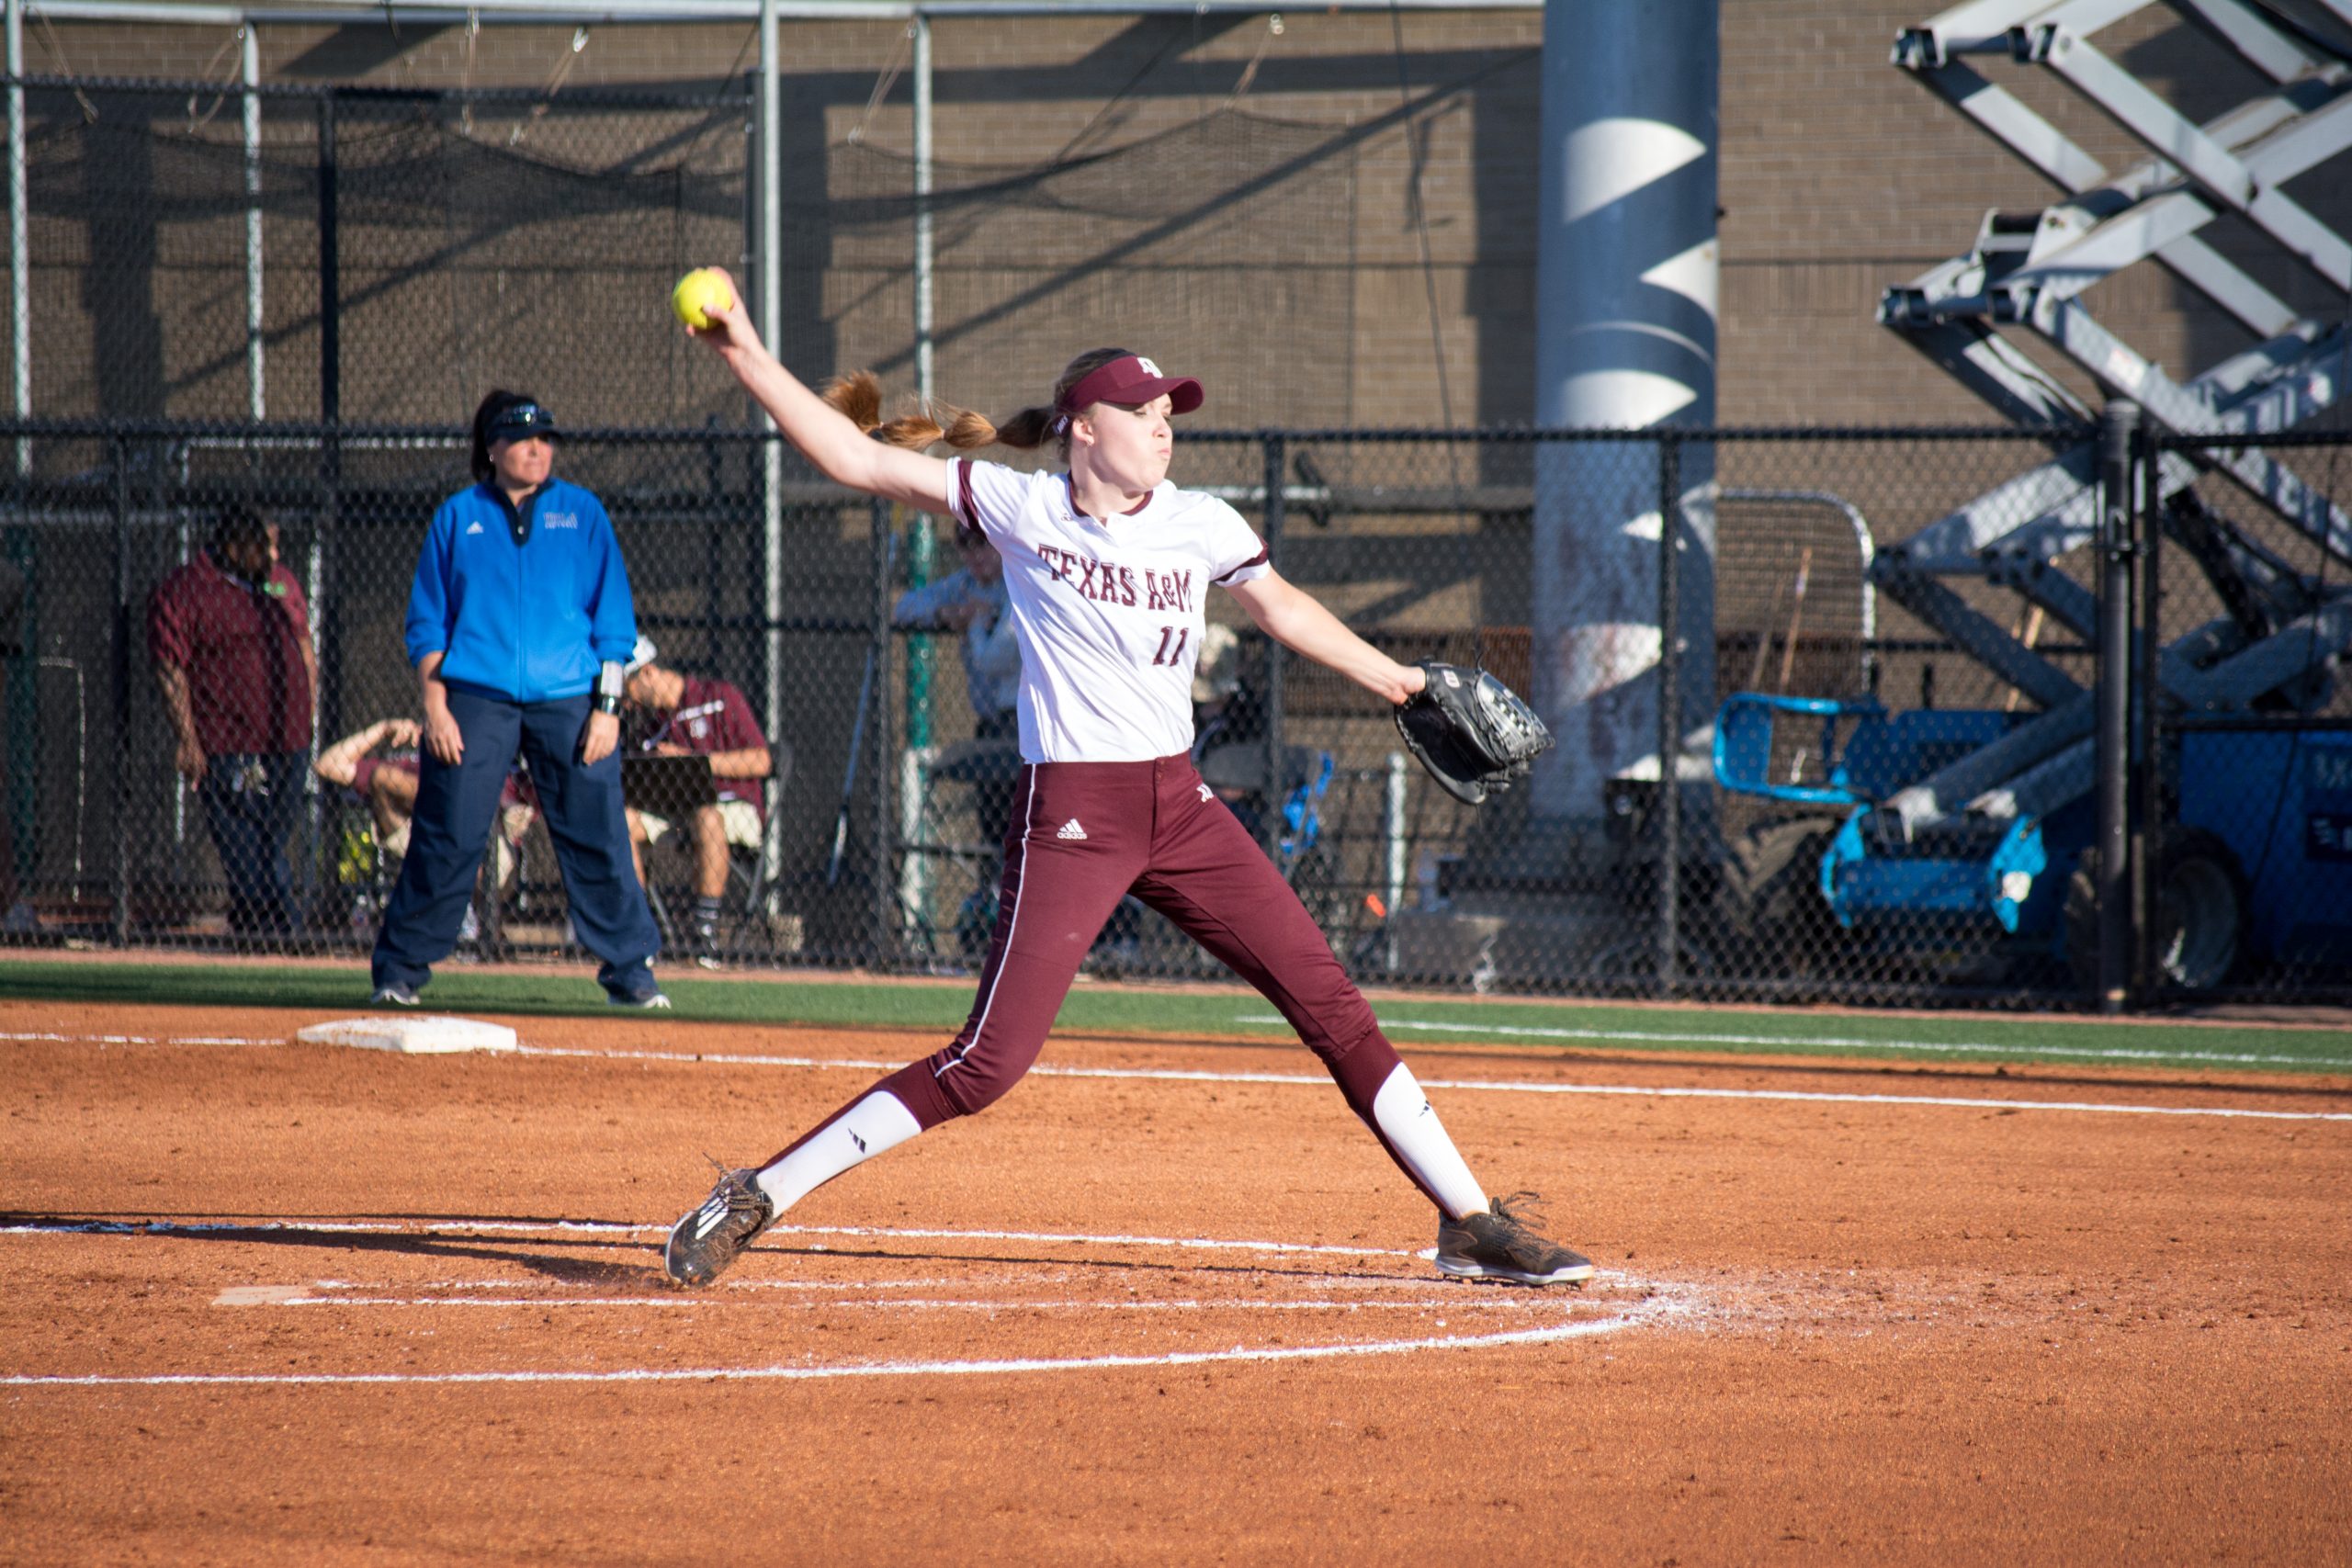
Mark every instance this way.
x=1626 y=270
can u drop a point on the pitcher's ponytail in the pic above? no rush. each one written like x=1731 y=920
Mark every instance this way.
x=859 y=397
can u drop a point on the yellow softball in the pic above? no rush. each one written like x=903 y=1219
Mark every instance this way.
x=700 y=294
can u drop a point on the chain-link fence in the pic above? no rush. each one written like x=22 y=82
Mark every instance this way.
x=113 y=843
x=1887 y=789
x=373 y=254
x=2242 y=787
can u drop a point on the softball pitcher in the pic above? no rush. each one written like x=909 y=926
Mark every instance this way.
x=1107 y=567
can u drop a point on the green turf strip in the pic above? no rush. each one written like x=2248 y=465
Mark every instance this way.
x=1536 y=1027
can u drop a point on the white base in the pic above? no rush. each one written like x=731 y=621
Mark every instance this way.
x=412 y=1036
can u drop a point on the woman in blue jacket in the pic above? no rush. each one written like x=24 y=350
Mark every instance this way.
x=519 y=623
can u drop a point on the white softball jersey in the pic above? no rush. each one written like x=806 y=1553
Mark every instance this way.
x=1108 y=613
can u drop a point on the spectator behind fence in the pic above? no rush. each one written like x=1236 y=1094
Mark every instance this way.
x=676 y=715
x=231 y=640
x=386 y=786
x=971 y=603
x=520 y=621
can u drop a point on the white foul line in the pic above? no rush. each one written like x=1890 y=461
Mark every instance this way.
x=1490 y=1086
x=43 y=1036
x=265 y=1295
x=1171 y=1075
x=1681 y=1037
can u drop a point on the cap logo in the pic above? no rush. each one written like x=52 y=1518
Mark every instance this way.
x=521 y=421
x=1149 y=368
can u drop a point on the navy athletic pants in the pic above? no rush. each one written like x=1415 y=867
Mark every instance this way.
x=455 y=807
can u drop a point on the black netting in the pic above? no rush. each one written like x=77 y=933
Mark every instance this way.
x=477 y=242
x=2244 y=796
x=1165 y=245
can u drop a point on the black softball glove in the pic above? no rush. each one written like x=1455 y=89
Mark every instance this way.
x=1470 y=731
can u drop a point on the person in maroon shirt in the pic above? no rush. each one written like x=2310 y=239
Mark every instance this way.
x=231 y=640
x=387 y=786
x=678 y=714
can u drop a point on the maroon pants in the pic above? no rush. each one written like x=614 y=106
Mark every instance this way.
x=1083 y=835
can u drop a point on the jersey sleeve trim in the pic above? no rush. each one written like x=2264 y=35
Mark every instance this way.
x=1253 y=566
x=962 y=500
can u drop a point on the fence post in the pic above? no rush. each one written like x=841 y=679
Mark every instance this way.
x=883 y=884
x=327 y=700
x=124 y=626
x=1270 y=518
x=330 y=282
x=1392 y=833
x=2147 y=794
x=2118 y=425
x=1669 y=711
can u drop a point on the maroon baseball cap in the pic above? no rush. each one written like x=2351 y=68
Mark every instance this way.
x=1132 y=378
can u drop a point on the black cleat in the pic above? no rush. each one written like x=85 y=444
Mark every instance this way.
x=1497 y=1244
x=702 y=1244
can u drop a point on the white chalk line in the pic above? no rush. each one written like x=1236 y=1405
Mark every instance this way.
x=1655 y=1311
x=1425 y=1294
x=810 y=1285
x=1683 y=1037
x=266 y=1296
x=43 y=1037
x=1487 y=1086
x=1028 y=1274
x=1661 y=1302
x=1493 y=1085
x=1437 y=1026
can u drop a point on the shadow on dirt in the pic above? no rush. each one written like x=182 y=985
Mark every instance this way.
x=595 y=1259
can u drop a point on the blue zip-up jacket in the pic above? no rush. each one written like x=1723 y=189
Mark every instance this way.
x=522 y=605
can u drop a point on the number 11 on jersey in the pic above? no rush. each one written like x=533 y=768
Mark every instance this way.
x=1171 y=645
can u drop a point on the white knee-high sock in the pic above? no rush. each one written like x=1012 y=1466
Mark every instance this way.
x=877 y=1122
x=1408 y=1120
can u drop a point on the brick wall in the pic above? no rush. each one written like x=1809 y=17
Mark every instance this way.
x=1839 y=176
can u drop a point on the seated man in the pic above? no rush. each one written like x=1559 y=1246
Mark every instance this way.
x=675 y=715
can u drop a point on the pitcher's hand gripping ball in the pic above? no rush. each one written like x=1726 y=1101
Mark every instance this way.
x=1472 y=732
x=699 y=292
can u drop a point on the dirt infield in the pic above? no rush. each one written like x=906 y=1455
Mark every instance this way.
x=283 y=1303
